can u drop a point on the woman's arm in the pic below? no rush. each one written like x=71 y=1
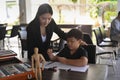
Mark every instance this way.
x=58 y=31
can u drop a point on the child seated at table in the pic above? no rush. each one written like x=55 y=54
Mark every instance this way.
x=73 y=53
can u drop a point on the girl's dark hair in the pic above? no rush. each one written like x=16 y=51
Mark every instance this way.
x=75 y=33
x=44 y=8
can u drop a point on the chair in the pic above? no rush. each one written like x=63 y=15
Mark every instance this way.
x=3 y=25
x=2 y=34
x=23 y=46
x=101 y=45
x=107 y=39
x=87 y=38
x=57 y=44
x=23 y=39
x=100 y=52
x=12 y=33
x=91 y=49
x=101 y=42
x=103 y=34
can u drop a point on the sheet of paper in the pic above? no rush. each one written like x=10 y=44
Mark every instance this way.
x=66 y=67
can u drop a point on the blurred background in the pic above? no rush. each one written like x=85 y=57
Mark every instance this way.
x=95 y=12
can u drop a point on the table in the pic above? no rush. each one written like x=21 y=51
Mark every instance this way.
x=95 y=72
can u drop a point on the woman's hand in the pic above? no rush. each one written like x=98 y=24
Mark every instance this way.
x=83 y=42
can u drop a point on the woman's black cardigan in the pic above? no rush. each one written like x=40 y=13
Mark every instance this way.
x=34 y=37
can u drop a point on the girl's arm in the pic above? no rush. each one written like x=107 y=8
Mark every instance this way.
x=74 y=62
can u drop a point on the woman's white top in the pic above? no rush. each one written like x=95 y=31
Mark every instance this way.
x=43 y=38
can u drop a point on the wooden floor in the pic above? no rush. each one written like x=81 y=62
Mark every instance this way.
x=113 y=74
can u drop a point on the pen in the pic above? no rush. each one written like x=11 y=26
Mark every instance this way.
x=68 y=69
x=53 y=68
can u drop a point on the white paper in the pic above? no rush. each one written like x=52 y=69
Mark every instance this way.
x=66 y=67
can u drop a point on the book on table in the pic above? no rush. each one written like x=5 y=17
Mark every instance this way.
x=12 y=68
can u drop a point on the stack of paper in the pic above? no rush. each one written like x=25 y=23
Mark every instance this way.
x=65 y=67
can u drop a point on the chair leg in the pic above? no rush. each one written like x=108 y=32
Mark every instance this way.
x=22 y=54
x=3 y=44
x=98 y=59
x=111 y=58
x=117 y=49
x=114 y=62
x=8 y=43
x=19 y=45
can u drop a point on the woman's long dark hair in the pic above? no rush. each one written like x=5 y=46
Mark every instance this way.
x=43 y=8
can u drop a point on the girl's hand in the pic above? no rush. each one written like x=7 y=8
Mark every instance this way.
x=62 y=59
x=49 y=51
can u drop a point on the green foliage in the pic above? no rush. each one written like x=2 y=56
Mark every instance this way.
x=106 y=8
x=10 y=4
x=94 y=12
x=98 y=1
x=74 y=1
x=109 y=14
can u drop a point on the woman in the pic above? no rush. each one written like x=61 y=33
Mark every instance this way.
x=40 y=31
